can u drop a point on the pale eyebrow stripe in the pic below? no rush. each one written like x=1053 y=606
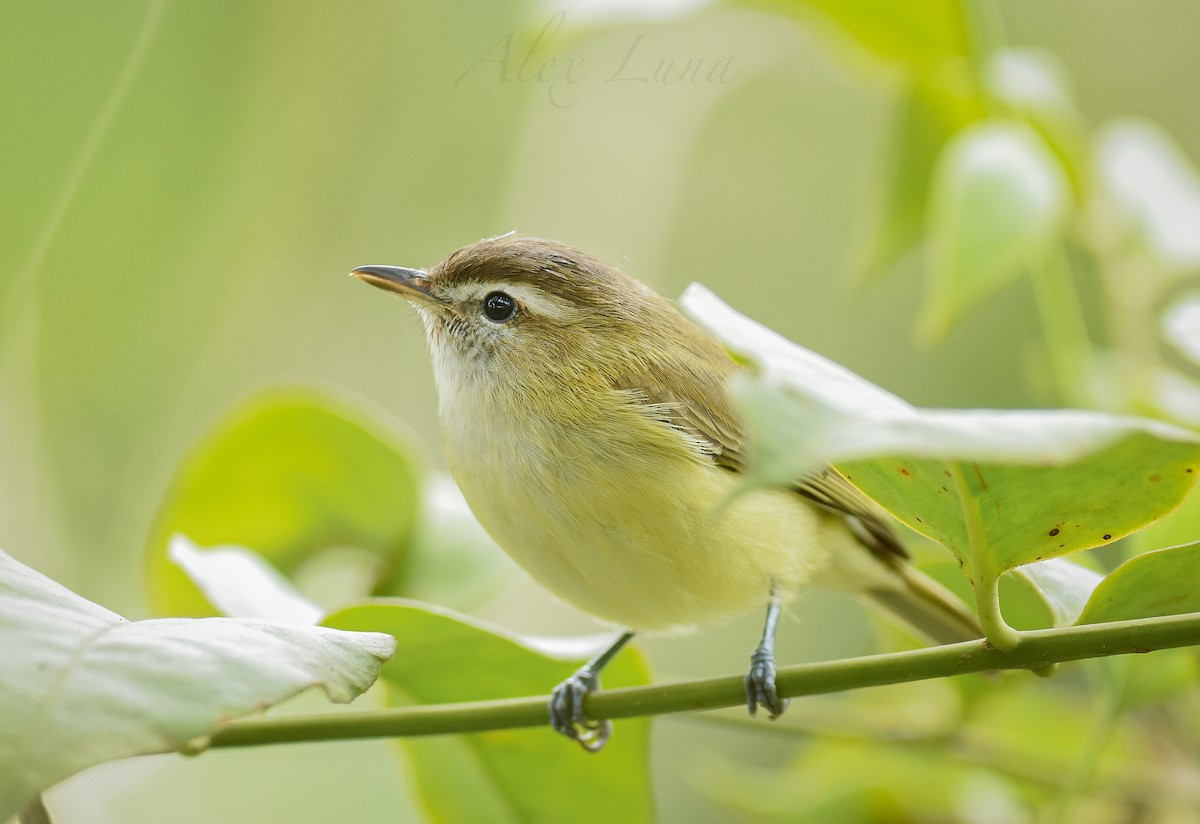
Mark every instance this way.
x=537 y=300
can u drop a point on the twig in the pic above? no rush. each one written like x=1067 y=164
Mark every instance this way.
x=1038 y=649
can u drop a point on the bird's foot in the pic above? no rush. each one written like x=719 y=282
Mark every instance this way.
x=760 y=684
x=568 y=717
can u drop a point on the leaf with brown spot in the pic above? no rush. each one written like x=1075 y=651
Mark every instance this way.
x=1018 y=472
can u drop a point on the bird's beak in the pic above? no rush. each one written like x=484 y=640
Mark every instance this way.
x=409 y=283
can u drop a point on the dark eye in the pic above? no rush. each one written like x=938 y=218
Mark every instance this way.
x=499 y=307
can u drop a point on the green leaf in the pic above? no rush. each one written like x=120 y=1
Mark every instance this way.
x=505 y=775
x=1000 y=197
x=81 y=685
x=288 y=473
x=999 y=489
x=1124 y=474
x=1043 y=483
x=1161 y=582
x=1180 y=527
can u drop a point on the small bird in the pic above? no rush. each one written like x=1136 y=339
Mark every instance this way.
x=588 y=424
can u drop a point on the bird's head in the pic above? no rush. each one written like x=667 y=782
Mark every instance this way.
x=530 y=311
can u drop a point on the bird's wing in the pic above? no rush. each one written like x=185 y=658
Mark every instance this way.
x=708 y=418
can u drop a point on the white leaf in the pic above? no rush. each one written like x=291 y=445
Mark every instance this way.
x=80 y=685
x=852 y=418
x=999 y=489
x=240 y=584
x=1064 y=587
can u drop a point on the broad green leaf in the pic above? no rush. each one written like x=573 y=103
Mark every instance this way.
x=922 y=34
x=1155 y=186
x=1181 y=325
x=924 y=120
x=1161 y=582
x=999 y=198
x=240 y=584
x=81 y=685
x=1029 y=509
x=1181 y=526
x=288 y=474
x=505 y=775
x=1036 y=484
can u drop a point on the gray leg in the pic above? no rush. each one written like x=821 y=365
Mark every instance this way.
x=760 y=680
x=566 y=702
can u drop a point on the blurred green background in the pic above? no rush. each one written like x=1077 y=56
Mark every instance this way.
x=184 y=184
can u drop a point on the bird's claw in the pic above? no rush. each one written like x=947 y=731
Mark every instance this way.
x=568 y=717
x=760 y=685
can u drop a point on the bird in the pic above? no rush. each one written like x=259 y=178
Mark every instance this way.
x=589 y=425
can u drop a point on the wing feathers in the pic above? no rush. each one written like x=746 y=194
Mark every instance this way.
x=708 y=419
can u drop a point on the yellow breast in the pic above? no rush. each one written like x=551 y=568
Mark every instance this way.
x=620 y=516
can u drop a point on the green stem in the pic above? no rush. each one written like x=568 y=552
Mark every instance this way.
x=987 y=602
x=1067 y=343
x=985 y=580
x=1037 y=650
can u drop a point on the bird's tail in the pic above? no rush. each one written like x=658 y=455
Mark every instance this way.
x=926 y=606
x=867 y=557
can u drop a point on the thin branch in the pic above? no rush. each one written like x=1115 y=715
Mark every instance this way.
x=1038 y=649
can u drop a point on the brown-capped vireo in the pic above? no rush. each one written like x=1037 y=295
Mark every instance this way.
x=588 y=424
